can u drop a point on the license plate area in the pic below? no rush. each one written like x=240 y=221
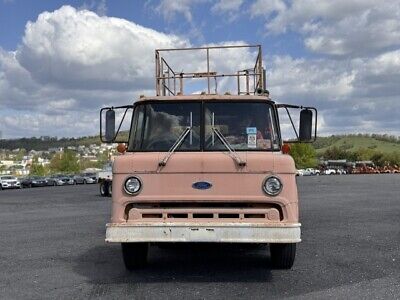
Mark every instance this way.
x=202 y=234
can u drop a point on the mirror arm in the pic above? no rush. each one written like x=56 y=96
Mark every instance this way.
x=119 y=127
x=120 y=124
x=291 y=121
x=286 y=106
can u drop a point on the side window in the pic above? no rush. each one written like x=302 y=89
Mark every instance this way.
x=137 y=127
x=274 y=132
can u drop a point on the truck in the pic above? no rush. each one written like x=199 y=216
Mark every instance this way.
x=205 y=167
x=105 y=180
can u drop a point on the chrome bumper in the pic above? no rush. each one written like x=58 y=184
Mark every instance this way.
x=203 y=232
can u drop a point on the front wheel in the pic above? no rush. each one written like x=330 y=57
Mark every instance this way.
x=282 y=255
x=134 y=255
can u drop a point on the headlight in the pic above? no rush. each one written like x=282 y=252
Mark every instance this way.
x=272 y=185
x=132 y=185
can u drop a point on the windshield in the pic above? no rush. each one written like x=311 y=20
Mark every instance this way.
x=246 y=126
x=157 y=126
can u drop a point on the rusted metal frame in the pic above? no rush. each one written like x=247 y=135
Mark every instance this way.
x=160 y=61
x=238 y=82
x=185 y=75
x=208 y=69
x=246 y=72
x=210 y=47
x=258 y=70
x=157 y=70
x=166 y=87
x=169 y=71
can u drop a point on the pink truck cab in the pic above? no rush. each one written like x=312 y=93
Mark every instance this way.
x=205 y=167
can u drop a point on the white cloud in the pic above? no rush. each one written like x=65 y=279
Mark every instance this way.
x=72 y=62
x=229 y=7
x=99 y=6
x=79 y=49
x=170 y=9
x=342 y=27
x=267 y=7
x=360 y=95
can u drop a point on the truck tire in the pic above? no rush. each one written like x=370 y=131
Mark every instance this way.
x=109 y=189
x=104 y=189
x=282 y=255
x=134 y=255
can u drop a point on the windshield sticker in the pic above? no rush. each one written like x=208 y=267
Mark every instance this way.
x=251 y=130
x=252 y=141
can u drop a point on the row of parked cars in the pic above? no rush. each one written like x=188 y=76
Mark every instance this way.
x=12 y=182
x=311 y=172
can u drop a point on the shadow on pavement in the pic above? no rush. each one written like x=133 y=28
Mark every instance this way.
x=179 y=263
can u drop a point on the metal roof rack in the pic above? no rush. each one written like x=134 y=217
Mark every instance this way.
x=170 y=82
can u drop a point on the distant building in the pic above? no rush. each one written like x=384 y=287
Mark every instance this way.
x=56 y=149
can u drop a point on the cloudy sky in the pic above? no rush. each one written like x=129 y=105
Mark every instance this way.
x=61 y=61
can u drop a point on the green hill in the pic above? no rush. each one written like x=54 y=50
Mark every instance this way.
x=353 y=143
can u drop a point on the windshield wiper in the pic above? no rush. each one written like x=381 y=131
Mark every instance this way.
x=228 y=146
x=175 y=146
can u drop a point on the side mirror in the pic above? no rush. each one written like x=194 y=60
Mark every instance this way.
x=305 y=130
x=110 y=126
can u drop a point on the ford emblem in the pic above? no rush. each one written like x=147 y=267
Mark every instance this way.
x=201 y=185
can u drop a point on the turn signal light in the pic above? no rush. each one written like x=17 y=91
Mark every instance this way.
x=121 y=148
x=285 y=148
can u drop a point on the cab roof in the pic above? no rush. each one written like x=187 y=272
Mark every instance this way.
x=207 y=97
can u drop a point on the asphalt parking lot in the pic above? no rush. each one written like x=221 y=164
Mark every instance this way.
x=52 y=246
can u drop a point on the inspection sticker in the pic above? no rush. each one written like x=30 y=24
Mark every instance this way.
x=252 y=141
x=251 y=130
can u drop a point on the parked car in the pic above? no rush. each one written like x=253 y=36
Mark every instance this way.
x=330 y=172
x=85 y=178
x=54 y=180
x=33 y=181
x=9 y=182
x=68 y=180
x=90 y=177
x=341 y=171
x=313 y=171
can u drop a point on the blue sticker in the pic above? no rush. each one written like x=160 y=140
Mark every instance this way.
x=251 y=130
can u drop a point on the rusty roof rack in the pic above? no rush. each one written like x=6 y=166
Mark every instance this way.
x=170 y=82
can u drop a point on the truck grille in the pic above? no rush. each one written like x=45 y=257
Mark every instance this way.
x=178 y=212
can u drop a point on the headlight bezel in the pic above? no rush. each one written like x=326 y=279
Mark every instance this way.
x=265 y=189
x=140 y=185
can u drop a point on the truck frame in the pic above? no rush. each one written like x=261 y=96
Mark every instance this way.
x=205 y=167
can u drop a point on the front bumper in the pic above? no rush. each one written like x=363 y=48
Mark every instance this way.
x=11 y=186
x=203 y=232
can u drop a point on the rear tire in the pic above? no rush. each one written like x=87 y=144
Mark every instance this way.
x=109 y=189
x=134 y=255
x=282 y=255
x=104 y=189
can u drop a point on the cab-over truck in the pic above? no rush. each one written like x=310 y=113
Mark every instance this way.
x=205 y=167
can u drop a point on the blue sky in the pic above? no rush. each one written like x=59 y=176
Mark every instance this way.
x=60 y=61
